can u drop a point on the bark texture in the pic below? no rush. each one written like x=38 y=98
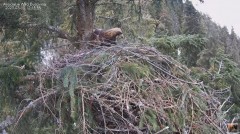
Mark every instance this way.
x=85 y=18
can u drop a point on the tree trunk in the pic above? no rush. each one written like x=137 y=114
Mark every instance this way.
x=85 y=18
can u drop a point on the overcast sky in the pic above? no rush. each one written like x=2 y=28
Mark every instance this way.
x=223 y=12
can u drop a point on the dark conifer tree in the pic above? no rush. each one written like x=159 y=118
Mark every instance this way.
x=192 y=20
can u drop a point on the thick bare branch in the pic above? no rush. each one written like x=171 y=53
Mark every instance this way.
x=94 y=1
x=60 y=33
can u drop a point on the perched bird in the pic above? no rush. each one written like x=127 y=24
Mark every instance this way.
x=106 y=37
x=233 y=127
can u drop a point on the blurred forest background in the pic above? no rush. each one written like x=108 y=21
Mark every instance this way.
x=31 y=37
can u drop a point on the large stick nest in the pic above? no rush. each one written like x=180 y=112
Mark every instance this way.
x=135 y=89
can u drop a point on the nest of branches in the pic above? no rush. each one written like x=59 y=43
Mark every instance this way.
x=129 y=89
x=134 y=89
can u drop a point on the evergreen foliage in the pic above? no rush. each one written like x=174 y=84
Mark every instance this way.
x=184 y=47
x=65 y=100
x=192 y=20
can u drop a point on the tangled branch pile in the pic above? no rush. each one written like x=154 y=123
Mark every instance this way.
x=128 y=89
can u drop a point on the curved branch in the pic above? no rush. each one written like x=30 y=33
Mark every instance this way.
x=94 y=1
x=60 y=33
x=11 y=120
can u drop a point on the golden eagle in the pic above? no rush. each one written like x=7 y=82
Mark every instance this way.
x=106 y=37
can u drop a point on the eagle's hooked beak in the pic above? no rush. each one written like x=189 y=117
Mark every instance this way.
x=121 y=36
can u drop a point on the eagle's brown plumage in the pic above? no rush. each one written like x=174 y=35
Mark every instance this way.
x=106 y=37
